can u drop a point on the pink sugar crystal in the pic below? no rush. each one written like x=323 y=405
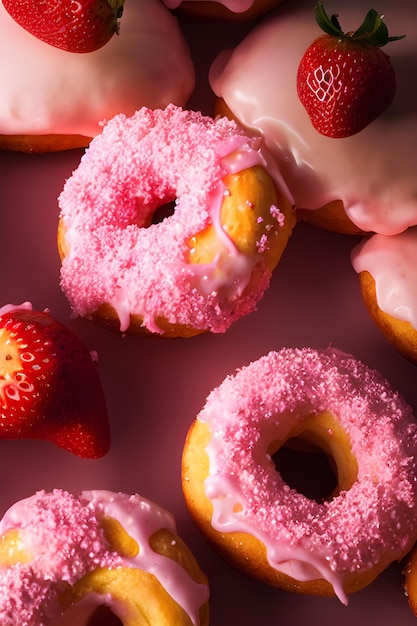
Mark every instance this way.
x=63 y=536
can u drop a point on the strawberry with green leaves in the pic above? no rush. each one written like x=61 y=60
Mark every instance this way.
x=344 y=80
x=49 y=384
x=72 y=25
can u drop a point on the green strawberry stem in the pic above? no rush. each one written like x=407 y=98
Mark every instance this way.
x=373 y=31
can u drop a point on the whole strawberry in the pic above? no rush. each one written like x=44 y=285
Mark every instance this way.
x=72 y=25
x=345 y=80
x=49 y=385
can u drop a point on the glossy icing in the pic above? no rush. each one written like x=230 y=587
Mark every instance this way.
x=373 y=521
x=141 y=518
x=62 y=540
x=148 y=271
x=237 y=6
x=392 y=262
x=7 y=308
x=373 y=172
x=47 y=90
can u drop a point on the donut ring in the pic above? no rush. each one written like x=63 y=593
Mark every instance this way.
x=64 y=558
x=200 y=268
x=268 y=529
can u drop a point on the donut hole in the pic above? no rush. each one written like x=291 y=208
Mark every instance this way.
x=162 y=212
x=316 y=458
x=146 y=215
x=104 y=616
x=88 y=612
x=307 y=469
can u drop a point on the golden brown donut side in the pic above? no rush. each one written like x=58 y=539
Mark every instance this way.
x=400 y=334
x=410 y=580
x=332 y=217
x=42 y=143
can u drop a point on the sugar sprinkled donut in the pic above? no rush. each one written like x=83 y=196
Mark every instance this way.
x=198 y=269
x=387 y=273
x=62 y=557
x=274 y=532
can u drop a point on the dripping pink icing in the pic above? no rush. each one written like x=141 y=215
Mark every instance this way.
x=392 y=262
x=237 y=6
x=141 y=519
x=7 y=308
x=373 y=173
x=46 y=90
x=63 y=534
x=134 y=166
x=375 y=519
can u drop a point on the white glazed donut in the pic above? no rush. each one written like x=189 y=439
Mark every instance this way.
x=51 y=99
x=366 y=182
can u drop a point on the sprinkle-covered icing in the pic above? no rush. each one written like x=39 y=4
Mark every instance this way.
x=63 y=539
x=141 y=519
x=136 y=165
x=46 y=90
x=373 y=172
x=375 y=519
x=392 y=262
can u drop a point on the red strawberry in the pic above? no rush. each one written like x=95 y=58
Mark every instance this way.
x=73 y=25
x=345 y=80
x=49 y=385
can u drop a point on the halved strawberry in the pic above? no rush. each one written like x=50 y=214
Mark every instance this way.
x=72 y=25
x=49 y=385
x=345 y=80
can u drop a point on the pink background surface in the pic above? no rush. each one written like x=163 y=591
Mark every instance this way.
x=154 y=389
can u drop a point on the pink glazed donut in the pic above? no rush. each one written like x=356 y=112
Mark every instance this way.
x=65 y=559
x=201 y=267
x=318 y=400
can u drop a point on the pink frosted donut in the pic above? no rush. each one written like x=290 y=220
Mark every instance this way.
x=64 y=558
x=318 y=400
x=202 y=267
